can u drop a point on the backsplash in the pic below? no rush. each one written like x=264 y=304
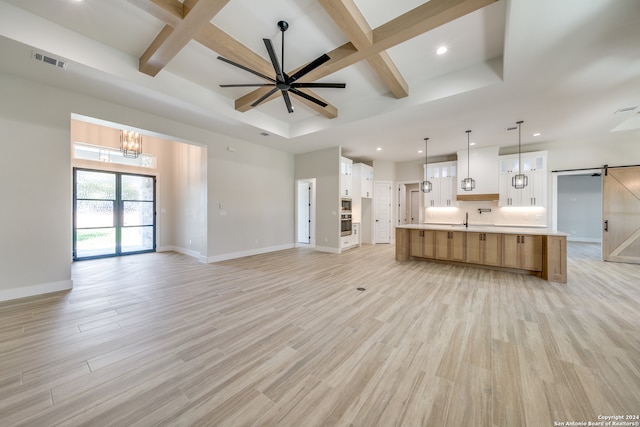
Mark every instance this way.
x=501 y=216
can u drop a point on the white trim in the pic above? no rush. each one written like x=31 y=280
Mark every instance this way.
x=188 y=252
x=185 y=251
x=242 y=254
x=554 y=192
x=305 y=245
x=328 y=249
x=29 y=291
x=584 y=239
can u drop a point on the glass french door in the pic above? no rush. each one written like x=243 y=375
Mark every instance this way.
x=113 y=214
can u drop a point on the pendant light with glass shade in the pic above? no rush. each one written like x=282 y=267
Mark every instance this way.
x=426 y=184
x=520 y=180
x=468 y=183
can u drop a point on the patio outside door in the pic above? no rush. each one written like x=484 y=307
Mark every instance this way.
x=113 y=214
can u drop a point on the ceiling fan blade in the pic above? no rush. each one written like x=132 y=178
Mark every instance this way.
x=262 y=98
x=287 y=100
x=309 y=67
x=246 y=69
x=328 y=85
x=250 y=85
x=274 y=59
x=307 y=97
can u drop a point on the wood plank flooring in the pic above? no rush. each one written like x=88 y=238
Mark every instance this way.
x=285 y=339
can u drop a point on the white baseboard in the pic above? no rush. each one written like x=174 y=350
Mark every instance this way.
x=241 y=254
x=584 y=239
x=29 y=291
x=185 y=251
x=327 y=249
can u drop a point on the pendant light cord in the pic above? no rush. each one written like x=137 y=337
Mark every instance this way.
x=468 y=153
x=426 y=157
x=519 y=145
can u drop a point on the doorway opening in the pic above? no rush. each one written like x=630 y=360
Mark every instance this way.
x=114 y=214
x=578 y=205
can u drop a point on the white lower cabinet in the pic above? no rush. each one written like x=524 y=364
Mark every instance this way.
x=353 y=240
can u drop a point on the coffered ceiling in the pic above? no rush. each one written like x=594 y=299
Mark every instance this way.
x=563 y=67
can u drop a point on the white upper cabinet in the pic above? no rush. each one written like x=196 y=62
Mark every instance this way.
x=346 y=177
x=364 y=173
x=443 y=181
x=534 y=168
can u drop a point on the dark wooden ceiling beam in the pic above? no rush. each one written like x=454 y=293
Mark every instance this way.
x=347 y=15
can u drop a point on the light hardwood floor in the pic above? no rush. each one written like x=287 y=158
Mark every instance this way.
x=285 y=339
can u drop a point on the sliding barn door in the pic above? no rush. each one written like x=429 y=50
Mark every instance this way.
x=621 y=215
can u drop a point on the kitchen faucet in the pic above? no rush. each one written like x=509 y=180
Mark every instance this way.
x=466 y=220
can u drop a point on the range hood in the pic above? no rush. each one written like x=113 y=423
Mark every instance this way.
x=485 y=197
x=484 y=168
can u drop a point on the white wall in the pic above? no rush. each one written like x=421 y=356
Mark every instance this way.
x=324 y=166
x=254 y=184
x=186 y=208
x=250 y=199
x=35 y=192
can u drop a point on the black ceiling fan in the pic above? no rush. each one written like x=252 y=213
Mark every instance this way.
x=283 y=82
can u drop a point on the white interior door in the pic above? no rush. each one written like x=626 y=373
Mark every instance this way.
x=304 y=212
x=415 y=206
x=382 y=214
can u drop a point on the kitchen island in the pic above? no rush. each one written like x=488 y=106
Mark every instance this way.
x=529 y=250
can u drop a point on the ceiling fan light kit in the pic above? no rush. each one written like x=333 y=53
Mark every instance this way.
x=283 y=82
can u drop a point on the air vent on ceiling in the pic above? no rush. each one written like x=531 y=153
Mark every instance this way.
x=511 y=128
x=38 y=56
x=625 y=110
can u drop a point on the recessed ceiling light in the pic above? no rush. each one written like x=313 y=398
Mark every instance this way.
x=537 y=134
x=441 y=50
x=419 y=151
x=379 y=149
x=472 y=143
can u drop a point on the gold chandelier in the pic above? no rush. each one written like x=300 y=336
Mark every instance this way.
x=130 y=143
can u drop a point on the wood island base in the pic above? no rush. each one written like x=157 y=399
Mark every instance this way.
x=542 y=255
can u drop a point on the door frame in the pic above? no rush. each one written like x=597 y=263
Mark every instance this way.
x=312 y=213
x=403 y=204
x=554 y=191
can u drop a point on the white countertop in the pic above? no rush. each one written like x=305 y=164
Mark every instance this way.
x=541 y=231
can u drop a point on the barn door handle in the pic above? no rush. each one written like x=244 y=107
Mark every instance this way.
x=606 y=225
